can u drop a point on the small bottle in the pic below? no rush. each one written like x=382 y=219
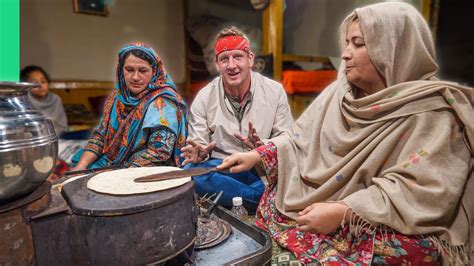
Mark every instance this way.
x=238 y=209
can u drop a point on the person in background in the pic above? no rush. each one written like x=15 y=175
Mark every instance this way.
x=144 y=121
x=222 y=111
x=378 y=169
x=42 y=99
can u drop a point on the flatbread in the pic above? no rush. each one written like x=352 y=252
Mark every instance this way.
x=120 y=182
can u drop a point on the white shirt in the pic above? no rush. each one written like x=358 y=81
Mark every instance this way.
x=212 y=117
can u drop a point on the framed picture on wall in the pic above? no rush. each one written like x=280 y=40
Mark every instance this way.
x=92 y=7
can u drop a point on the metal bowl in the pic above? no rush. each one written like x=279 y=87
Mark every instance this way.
x=28 y=143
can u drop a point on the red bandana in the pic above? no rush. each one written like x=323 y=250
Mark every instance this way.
x=234 y=42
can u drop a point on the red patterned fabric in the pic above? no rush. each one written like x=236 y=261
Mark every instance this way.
x=341 y=247
x=234 y=42
x=60 y=168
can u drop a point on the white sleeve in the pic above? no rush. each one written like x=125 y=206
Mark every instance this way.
x=198 y=127
x=283 y=119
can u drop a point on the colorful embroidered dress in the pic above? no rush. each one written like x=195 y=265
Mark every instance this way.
x=148 y=129
x=341 y=247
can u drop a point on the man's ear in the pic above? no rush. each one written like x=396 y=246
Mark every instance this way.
x=217 y=66
x=251 y=59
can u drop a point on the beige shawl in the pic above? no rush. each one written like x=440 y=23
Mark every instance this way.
x=400 y=157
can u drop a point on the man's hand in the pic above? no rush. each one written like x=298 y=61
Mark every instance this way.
x=252 y=141
x=322 y=218
x=195 y=152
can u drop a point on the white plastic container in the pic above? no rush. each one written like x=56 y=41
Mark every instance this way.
x=238 y=209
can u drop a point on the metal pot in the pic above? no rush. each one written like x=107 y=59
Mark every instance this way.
x=28 y=143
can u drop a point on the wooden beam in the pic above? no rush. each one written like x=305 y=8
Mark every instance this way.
x=266 y=49
x=426 y=10
x=276 y=40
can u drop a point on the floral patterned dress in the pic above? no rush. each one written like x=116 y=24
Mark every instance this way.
x=342 y=247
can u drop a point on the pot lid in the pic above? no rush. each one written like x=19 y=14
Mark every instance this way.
x=84 y=201
x=16 y=87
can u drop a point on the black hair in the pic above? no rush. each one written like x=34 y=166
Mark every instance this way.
x=25 y=72
x=138 y=53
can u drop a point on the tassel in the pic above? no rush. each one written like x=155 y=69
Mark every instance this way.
x=452 y=254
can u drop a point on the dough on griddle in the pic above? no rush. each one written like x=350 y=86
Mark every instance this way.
x=120 y=182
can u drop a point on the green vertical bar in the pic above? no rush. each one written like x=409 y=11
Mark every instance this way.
x=9 y=40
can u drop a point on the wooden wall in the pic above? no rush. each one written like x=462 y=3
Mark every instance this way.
x=79 y=92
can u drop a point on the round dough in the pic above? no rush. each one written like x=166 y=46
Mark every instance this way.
x=120 y=182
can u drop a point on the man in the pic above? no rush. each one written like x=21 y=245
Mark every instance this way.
x=220 y=114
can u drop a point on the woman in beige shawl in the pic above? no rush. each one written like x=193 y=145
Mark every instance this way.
x=377 y=168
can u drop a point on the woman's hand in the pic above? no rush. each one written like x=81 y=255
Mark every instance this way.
x=87 y=158
x=322 y=218
x=81 y=165
x=252 y=141
x=240 y=162
x=195 y=152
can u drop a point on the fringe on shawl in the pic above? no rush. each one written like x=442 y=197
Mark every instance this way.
x=451 y=254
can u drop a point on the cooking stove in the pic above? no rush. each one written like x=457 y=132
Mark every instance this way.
x=77 y=226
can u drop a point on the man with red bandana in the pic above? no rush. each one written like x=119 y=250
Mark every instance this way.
x=230 y=115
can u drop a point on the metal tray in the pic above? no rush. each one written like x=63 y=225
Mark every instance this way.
x=247 y=245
